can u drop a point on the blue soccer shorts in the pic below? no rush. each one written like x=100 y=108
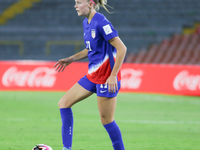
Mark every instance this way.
x=100 y=89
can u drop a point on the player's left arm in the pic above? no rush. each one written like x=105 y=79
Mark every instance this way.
x=121 y=52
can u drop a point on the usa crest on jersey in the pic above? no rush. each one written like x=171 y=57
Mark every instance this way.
x=93 y=32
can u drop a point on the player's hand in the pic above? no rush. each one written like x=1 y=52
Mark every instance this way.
x=112 y=84
x=62 y=63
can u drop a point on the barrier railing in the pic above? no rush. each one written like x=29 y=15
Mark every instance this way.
x=77 y=45
x=18 y=43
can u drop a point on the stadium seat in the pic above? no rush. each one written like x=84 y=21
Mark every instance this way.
x=151 y=54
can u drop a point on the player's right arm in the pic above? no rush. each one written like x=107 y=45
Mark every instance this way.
x=62 y=63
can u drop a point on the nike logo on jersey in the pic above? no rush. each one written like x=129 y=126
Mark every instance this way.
x=103 y=91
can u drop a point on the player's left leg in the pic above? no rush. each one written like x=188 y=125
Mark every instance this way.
x=107 y=110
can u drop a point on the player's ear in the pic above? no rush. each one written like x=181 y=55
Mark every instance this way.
x=91 y=4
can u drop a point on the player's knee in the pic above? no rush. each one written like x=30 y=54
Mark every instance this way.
x=60 y=104
x=64 y=103
x=106 y=120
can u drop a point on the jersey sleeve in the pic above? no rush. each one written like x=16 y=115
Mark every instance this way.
x=107 y=30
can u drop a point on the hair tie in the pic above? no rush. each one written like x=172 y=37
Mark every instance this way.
x=93 y=2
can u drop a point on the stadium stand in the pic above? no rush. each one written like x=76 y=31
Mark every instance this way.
x=16 y=8
x=181 y=49
x=45 y=29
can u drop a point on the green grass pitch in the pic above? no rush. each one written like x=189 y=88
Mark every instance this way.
x=147 y=122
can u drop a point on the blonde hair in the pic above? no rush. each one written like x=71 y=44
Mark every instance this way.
x=102 y=3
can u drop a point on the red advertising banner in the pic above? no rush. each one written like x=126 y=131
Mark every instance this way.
x=165 y=79
x=39 y=76
x=146 y=78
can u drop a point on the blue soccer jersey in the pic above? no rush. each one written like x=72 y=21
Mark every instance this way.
x=101 y=53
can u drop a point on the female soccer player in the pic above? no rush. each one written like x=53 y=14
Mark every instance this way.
x=106 y=53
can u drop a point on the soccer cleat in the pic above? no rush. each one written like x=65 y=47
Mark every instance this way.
x=64 y=148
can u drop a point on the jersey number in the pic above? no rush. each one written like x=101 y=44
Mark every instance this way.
x=88 y=45
x=104 y=86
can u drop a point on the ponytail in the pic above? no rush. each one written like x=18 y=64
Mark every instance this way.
x=102 y=3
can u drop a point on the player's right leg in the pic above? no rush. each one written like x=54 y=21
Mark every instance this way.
x=74 y=95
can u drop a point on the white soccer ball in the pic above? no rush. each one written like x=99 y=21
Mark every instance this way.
x=42 y=147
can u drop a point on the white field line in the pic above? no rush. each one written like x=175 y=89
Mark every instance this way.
x=171 y=100
x=159 y=122
x=120 y=121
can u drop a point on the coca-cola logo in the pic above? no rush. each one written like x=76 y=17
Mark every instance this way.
x=131 y=78
x=186 y=81
x=39 y=77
